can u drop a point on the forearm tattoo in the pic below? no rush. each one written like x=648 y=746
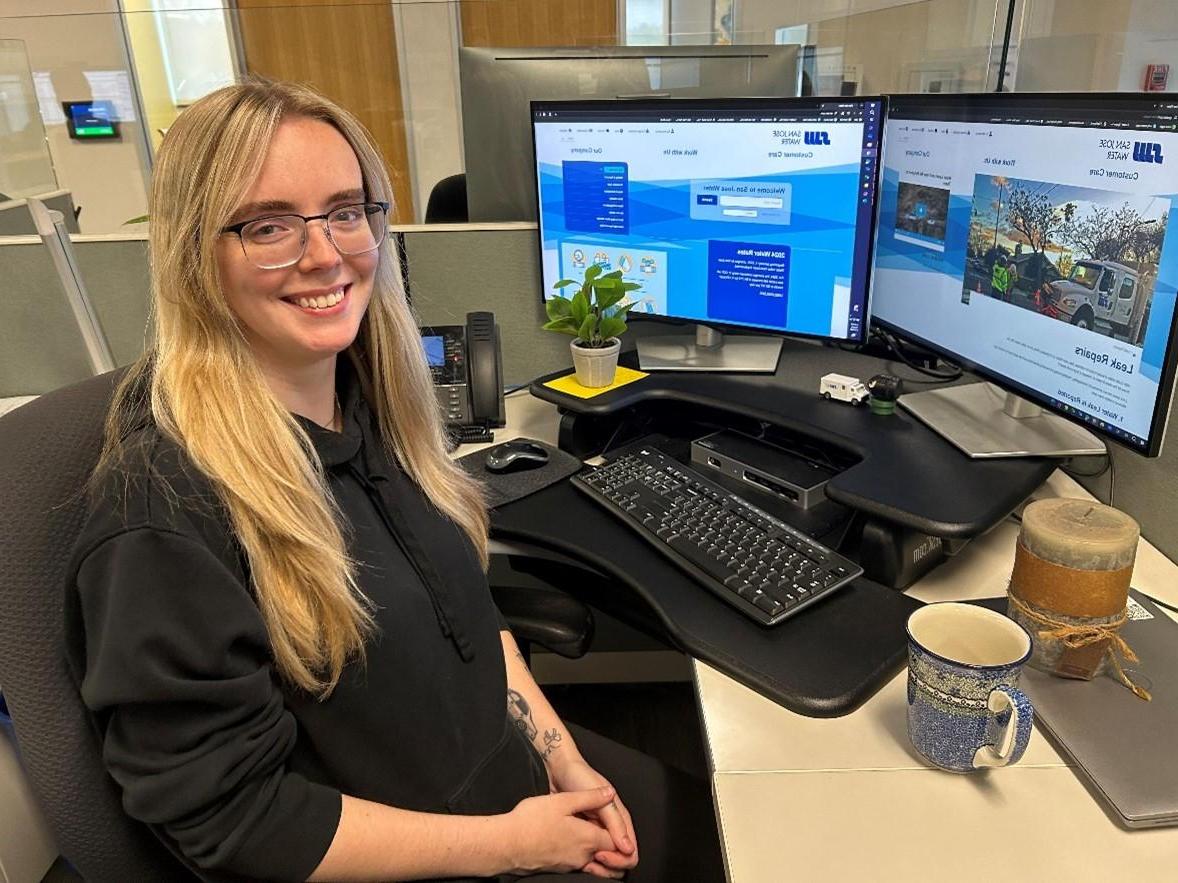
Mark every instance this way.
x=521 y=713
x=551 y=742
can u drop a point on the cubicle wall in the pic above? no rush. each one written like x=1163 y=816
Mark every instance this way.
x=452 y=269
x=15 y=219
x=456 y=268
x=40 y=346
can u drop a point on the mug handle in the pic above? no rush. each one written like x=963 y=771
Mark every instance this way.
x=1015 y=735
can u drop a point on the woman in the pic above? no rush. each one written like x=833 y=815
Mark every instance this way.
x=279 y=616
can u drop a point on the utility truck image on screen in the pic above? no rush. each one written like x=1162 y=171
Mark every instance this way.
x=1101 y=296
x=1084 y=256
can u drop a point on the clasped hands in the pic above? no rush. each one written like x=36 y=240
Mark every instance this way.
x=582 y=825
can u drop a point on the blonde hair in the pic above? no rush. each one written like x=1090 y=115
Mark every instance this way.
x=206 y=390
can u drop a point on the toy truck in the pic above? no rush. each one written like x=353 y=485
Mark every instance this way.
x=843 y=388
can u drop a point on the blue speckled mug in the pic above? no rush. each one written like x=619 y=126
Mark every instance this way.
x=964 y=710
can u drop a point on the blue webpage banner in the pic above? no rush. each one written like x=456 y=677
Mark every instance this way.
x=748 y=282
x=595 y=197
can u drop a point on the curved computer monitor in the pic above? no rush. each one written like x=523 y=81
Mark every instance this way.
x=499 y=83
x=735 y=214
x=1029 y=238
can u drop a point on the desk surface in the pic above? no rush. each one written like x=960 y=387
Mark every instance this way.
x=847 y=798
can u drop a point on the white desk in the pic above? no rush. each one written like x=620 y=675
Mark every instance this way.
x=840 y=799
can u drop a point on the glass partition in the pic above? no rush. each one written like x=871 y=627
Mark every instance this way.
x=396 y=64
x=25 y=166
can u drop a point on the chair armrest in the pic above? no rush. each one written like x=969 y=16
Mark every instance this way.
x=546 y=616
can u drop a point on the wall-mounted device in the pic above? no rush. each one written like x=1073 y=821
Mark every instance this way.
x=764 y=466
x=91 y=120
x=467 y=367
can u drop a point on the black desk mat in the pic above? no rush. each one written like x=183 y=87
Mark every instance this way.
x=825 y=662
x=502 y=488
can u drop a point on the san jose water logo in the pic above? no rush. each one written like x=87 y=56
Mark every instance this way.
x=1143 y=151
x=818 y=138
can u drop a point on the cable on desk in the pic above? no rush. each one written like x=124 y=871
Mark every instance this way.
x=1109 y=466
x=1172 y=608
x=1112 y=477
x=937 y=376
x=811 y=453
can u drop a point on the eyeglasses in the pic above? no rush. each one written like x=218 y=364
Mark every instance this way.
x=278 y=241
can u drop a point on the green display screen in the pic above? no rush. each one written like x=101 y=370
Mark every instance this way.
x=92 y=131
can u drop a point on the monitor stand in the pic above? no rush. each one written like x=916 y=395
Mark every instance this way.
x=709 y=350
x=984 y=421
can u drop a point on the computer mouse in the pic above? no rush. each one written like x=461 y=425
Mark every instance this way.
x=514 y=456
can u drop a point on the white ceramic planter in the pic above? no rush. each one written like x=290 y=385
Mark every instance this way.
x=595 y=366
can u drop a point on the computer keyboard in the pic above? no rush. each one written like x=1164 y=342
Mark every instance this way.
x=761 y=566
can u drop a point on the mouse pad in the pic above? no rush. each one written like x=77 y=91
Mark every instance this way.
x=507 y=487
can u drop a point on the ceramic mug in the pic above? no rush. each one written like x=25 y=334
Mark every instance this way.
x=965 y=711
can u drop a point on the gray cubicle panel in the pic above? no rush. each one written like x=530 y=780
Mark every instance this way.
x=455 y=268
x=15 y=219
x=114 y=268
x=40 y=346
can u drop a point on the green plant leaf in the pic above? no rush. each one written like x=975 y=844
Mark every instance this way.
x=592 y=272
x=563 y=282
x=605 y=283
x=579 y=306
x=631 y=286
x=564 y=325
x=612 y=326
x=558 y=307
x=586 y=331
x=616 y=274
x=605 y=301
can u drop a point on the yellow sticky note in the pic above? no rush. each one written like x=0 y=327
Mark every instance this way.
x=569 y=386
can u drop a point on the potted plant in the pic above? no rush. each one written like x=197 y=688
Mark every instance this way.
x=595 y=316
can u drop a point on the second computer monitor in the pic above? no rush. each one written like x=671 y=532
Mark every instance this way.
x=1028 y=237
x=732 y=214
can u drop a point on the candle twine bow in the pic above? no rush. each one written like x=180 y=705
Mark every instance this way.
x=1074 y=636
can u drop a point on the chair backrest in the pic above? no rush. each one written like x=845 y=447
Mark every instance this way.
x=48 y=450
x=447 y=202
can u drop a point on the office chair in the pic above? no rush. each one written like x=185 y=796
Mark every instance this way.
x=447 y=202
x=48 y=450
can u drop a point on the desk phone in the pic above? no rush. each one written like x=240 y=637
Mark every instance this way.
x=467 y=366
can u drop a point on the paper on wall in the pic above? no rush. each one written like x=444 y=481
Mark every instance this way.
x=51 y=112
x=115 y=87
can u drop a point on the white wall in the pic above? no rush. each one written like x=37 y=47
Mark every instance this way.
x=427 y=50
x=691 y=22
x=1152 y=38
x=756 y=20
x=67 y=38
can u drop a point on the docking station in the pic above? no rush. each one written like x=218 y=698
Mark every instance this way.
x=764 y=466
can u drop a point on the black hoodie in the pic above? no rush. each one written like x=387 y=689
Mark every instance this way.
x=237 y=770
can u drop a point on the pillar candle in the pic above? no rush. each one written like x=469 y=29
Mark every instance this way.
x=1072 y=568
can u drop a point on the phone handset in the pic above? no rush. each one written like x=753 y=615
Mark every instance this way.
x=484 y=364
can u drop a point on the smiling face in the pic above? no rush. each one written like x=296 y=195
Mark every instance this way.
x=299 y=316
